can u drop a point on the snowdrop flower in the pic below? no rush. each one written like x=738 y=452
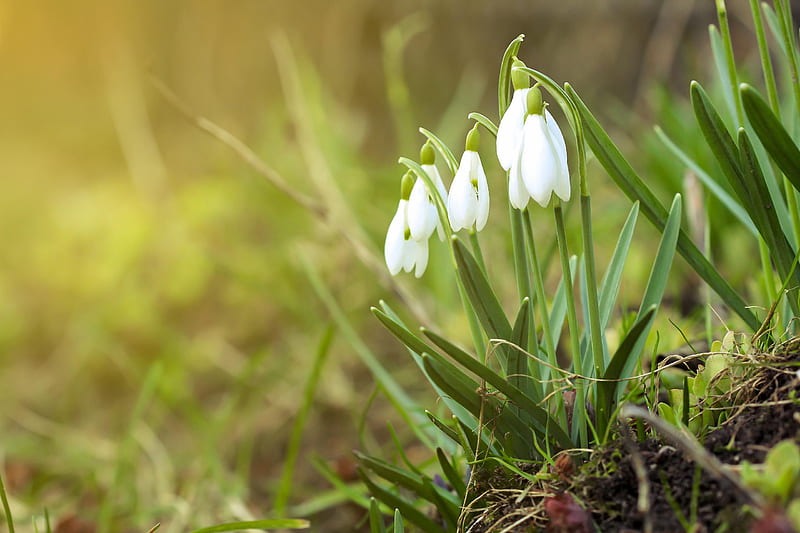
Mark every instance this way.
x=423 y=217
x=401 y=251
x=509 y=132
x=468 y=202
x=540 y=166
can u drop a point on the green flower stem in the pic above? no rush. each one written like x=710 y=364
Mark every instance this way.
x=725 y=31
x=591 y=287
x=772 y=96
x=538 y=282
x=579 y=429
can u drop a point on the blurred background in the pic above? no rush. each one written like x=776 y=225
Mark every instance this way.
x=136 y=245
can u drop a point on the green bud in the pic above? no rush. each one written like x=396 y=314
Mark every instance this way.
x=406 y=185
x=427 y=155
x=473 y=139
x=519 y=79
x=534 y=103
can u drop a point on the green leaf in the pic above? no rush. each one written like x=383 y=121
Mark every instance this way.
x=632 y=185
x=449 y=158
x=519 y=372
x=394 y=474
x=394 y=501
x=480 y=293
x=288 y=523
x=417 y=347
x=451 y=433
x=606 y=390
x=463 y=390
x=611 y=281
x=721 y=194
x=769 y=128
x=504 y=83
x=375 y=517
x=398 y=522
x=411 y=341
x=455 y=479
x=545 y=424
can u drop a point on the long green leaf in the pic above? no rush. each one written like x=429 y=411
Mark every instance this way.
x=394 y=474
x=520 y=373
x=721 y=194
x=772 y=134
x=632 y=185
x=375 y=517
x=611 y=281
x=398 y=522
x=393 y=501
x=288 y=523
x=463 y=390
x=606 y=390
x=480 y=293
x=417 y=347
x=545 y=423
x=456 y=480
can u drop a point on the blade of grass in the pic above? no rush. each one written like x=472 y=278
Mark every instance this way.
x=256 y=524
x=6 y=507
x=293 y=447
x=375 y=517
x=405 y=406
x=455 y=479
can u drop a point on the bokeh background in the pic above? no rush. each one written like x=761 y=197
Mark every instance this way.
x=132 y=240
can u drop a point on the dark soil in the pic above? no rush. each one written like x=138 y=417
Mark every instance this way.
x=680 y=496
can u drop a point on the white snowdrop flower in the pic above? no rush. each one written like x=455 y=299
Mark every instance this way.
x=541 y=163
x=423 y=217
x=509 y=132
x=401 y=251
x=468 y=201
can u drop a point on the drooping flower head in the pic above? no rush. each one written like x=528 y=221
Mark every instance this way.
x=530 y=146
x=401 y=251
x=423 y=218
x=468 y=202
x=509 y=133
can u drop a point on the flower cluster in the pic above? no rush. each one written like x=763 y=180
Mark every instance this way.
x=530 y=148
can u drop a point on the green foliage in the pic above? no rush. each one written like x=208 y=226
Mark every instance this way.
x=778 y=479
x=502 y=394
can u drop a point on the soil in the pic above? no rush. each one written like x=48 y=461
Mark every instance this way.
x=680 y=496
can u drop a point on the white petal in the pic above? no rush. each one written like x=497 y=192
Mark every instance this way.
x=539 y=161
x=478 y=174
x=421 y=212
x=420 y=257
x=394 y=247
x=462 y=202
x=436 y=178
x=517 y=193
x=562 y=187
x=509 y=132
